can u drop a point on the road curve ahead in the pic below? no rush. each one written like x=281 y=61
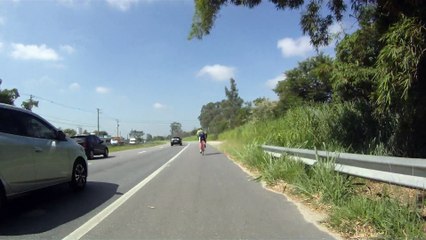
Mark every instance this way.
x=204 y=197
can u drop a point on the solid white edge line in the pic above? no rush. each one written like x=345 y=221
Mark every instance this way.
x=98 y=218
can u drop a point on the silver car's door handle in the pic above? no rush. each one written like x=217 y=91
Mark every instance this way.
x=37 y=149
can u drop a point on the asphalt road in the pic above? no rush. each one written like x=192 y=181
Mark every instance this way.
x=159 y=193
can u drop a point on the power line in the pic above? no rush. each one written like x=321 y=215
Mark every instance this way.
x=57 y=103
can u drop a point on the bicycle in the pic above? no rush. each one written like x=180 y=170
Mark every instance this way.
x=202 y=146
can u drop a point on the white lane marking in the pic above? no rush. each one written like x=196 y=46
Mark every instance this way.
x=141 y=152
x=94 y=221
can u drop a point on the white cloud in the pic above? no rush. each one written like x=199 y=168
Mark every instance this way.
x=1 y=46
x=217 y=72
x=158 y=105
x=295 y=47
x=272 y=83
x=336 y=28
x=29 y=52
x=67 y=48
x=74 y=86
x=102 y=90
x=122 y=5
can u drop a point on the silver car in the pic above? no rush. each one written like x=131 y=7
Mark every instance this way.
x=34 y=154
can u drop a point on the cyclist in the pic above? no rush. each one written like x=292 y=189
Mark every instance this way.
x=202 y=139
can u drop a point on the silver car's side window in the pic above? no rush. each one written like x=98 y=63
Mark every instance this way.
x=9 y=123
x=36 y=128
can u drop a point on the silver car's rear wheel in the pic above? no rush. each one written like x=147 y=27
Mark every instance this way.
x=79 y=175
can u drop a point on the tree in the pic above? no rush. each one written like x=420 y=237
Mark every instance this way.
x=401 y=77
x=149 y=137
x=29 y=104
x=176 y=129
x=263 y=109
x=136 y=134
x=354 y=66
x=208 y=113
x=8 y=96
x=70 y=132
x=312 y=21
x=310 y=81
x=232 y=106
x=226 y=114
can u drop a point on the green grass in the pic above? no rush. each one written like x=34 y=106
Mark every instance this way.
x=190 y=139
x=388 y=218
x=338 y=127
x=113 y=148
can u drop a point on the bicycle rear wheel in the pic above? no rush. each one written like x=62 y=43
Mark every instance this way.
x=202 y=147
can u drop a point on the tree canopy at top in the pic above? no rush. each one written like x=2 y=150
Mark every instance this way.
x=312 y=21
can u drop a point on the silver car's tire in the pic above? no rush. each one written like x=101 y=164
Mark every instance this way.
x=79 y=175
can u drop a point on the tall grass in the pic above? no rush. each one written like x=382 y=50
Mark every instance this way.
x=335 y=127
x=388 y=218
x=347 y=127
x=326 y=184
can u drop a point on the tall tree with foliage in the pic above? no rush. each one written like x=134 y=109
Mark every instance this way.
x=176 y=129
x=8 y=96
x=226 y=114
x=212 y=117
x=70 y=132
x=401 y=77
x=263 y=109
x=149 y=137
x=310 y=81
x=316 y=17
x=312 y=21
x=137 y=134
x=232 y=106
x=29 y=104
x=356 y=55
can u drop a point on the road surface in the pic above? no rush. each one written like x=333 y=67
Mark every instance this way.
x=161 y=192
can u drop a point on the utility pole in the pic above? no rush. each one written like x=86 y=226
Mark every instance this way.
x=117 y=126
x=98 y=119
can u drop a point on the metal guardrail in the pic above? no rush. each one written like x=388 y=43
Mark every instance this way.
x=409 y=172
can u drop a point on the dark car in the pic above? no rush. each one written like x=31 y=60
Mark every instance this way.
x=176 y=140
x=93 y=145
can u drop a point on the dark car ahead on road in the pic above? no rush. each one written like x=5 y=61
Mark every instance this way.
x=176 y=141
x=93 y=145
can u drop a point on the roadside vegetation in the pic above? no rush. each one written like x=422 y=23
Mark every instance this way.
x=356 y=208
x=368 y=99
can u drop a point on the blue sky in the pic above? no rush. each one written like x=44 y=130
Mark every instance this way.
x=132 y=59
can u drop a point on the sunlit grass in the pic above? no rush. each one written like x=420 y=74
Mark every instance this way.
x=331 y=128
x=385 y=218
